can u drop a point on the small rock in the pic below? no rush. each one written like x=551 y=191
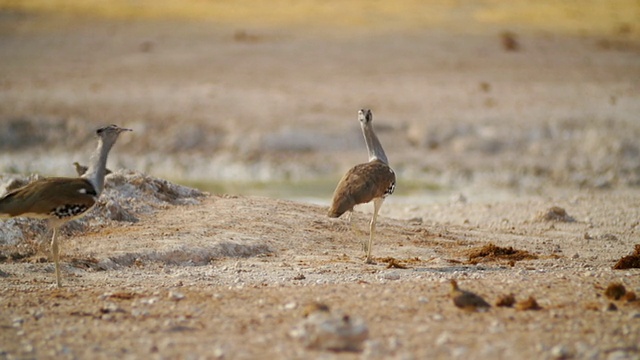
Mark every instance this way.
x=323 y=330
x=313 y=307
x=560 y=352
x=290 y=305
x=175 y=295
x=509 y=41
x=149 y=301
x=111 y=307
x=608 y=237
x=218 y=352
x=17 y=322
x=555 y=213
x=459 y=199
x=391 y=276
x=443 y=338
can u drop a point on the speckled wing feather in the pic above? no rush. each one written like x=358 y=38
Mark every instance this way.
x=362 y=184
x=49 y=198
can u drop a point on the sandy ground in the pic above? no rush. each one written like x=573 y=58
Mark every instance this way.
x=232 y=277
x=178 y=274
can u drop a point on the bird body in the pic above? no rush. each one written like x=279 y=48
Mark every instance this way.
x=360 y=185
x=80 y=169
x=50 y=198
x=60 y=200
x=467 y=300
x=371 y=181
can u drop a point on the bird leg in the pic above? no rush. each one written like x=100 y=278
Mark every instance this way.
x=55 y=249
x=352 y=223
x=377 y=203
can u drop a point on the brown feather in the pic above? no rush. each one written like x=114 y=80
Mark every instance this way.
x=362 y=184
x=41 y=198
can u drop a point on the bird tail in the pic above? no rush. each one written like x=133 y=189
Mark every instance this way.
x=339 y=206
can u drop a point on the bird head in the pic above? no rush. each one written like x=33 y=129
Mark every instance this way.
x=365 y=116
x=111 y=132
x=454 y=285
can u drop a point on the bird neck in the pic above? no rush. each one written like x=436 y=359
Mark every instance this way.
x=98 y=165
x=376 y=152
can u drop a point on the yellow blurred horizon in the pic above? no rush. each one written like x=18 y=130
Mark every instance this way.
x=585 y=17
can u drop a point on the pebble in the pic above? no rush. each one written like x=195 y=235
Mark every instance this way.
x=175 y=295
x=391 y=276
x=619 y=355
x=149 y=301
x=458 y=351
x=111 y=307
x=443 y=338
x=560 y=352
x=290 y=305
x=322 y=330
x=218 y=352
x=139 y=313
x=17 y=322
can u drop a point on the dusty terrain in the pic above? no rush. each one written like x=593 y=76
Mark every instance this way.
x=484 y=140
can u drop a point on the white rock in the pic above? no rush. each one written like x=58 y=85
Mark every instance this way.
x=323 y=330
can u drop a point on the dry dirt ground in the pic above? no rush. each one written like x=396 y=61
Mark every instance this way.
x=231 y=277
x=166 y=272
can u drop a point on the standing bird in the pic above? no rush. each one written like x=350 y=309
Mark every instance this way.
x=81 y=169
x=467 y=300
x=59 y=199
x=373 y=180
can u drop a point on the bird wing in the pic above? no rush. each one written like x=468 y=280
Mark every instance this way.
x=42 y=197
x=361 y=184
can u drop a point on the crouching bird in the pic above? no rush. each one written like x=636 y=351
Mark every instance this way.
x=371 y=181
x=58 y=199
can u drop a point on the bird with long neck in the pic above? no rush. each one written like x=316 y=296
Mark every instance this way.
x=59 y=199
x=370 y=181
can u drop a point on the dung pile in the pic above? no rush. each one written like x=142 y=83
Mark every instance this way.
x=491 y=252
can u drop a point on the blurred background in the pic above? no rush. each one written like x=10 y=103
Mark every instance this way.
x=475 y=100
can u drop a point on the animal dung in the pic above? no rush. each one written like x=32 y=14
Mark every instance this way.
x=506 y=300
x=630 y=261
x=529 y=304
x=491 y=252
x=615 y=291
